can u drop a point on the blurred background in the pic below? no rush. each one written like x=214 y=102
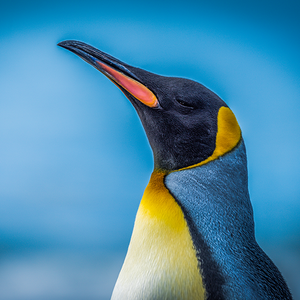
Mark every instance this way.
x=74 y=159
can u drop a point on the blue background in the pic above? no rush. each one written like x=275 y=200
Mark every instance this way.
x=74 y=159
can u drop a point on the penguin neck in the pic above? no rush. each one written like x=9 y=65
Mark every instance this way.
x=161 y=261
x=213 y=189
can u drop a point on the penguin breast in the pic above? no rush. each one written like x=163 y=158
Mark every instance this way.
x=161 y=261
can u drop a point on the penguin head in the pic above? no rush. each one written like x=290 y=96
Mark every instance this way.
x=186 y=123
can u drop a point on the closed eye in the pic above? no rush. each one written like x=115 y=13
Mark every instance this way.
x=185 y=104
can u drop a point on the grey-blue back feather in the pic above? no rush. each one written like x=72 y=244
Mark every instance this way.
x=215 y=200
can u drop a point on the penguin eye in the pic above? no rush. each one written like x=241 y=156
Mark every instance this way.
x=185 y=104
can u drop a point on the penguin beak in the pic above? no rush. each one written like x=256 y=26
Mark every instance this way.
x=114 y=69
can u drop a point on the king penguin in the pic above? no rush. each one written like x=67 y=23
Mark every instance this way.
x=193 y=237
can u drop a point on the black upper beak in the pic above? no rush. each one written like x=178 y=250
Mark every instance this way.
x=91 y=55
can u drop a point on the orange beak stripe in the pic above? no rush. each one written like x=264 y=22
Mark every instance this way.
x=136 y=89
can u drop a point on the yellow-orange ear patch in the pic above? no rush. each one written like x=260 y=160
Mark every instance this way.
x=229 y=132
x=228 y=136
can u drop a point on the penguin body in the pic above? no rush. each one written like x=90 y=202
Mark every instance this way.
x=193 y=236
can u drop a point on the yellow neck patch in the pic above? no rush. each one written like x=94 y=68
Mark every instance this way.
x=161 y=261
x=157 y=203
x=228 y=136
